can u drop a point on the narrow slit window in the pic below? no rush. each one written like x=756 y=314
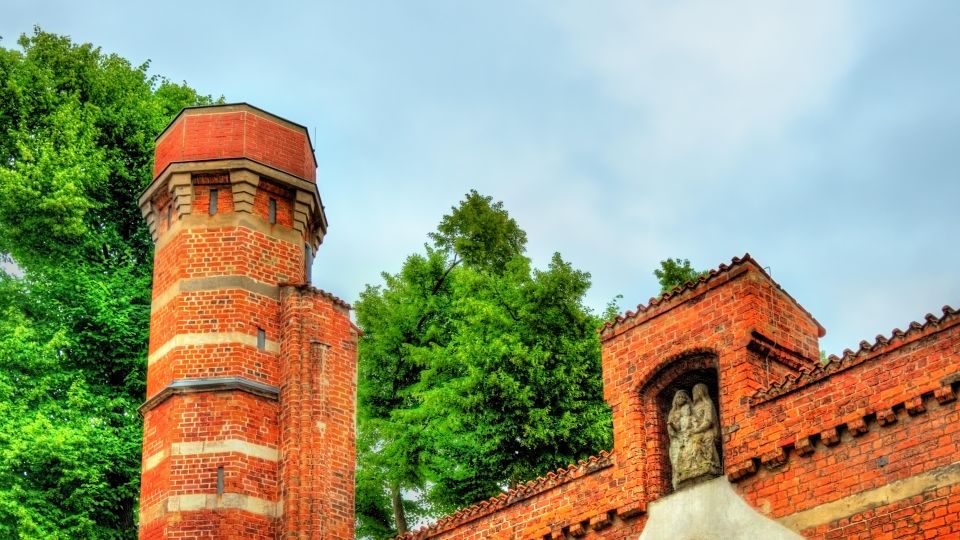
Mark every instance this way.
x=307 y=262
x=169 y=214
x=213 y=201
x=273 y=211
x=261 y=339
x=220 y=480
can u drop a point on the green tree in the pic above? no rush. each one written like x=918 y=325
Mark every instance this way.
x=76 y=144
x=676 y=273
x=477 y=372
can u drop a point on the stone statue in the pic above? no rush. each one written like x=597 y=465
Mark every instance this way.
x=678 y=425
x=694 y=430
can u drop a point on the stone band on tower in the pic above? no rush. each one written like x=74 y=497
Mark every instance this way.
x=251 y=377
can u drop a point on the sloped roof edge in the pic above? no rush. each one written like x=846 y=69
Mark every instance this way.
x=680 y=294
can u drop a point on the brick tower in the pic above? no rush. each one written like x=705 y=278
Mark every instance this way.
x=251 y=377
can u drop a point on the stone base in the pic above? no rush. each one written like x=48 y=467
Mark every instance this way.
x=711 y=510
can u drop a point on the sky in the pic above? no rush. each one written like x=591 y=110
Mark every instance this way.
x=822 y=137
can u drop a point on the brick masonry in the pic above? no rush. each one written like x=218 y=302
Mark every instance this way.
x=250 y=411
x=251 y=380
x=866 y=445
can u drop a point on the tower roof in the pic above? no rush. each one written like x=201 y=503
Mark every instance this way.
x=236 y=130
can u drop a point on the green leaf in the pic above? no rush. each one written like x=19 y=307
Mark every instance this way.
x=76 y=148
x=477 y=371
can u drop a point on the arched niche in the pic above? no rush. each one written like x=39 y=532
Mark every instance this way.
x=681 y=372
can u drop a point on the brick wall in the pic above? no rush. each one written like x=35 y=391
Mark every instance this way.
x=249 y=418
x=865 y=446
x=236 y=131
x=317 y=396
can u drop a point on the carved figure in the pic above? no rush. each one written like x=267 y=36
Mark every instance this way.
x=694 y=430
x=706 y=430
x=679 y=422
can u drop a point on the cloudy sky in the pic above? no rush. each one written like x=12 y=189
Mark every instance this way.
x=823 y=137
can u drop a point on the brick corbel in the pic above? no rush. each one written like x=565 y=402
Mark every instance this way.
x=886 y=416
x=804 y=446
x=774 y=458
x=830 y=437
x=742 y=470
x=944 y=394
x=631 y=510
x=181 y=194
x=600 y=521
x=302 y=205
x=180 y=191
x=150 y=216
x=244 y=184
x=308 y=219
x=915 y=405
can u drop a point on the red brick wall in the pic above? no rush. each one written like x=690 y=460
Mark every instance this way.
x=934 y=514
x=867 y=446
x=218 y=252
x=235 y=131
x=243 y=439
x=875 y=418
x=717 y=318
x=204 y=417
x=317 y=404
x=213 y=417
x=577 y=497
x=226 y=251
x=284 y=198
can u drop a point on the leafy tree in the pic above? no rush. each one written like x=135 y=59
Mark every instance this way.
x=477 y=372
x=76 y=143
x=676 y=273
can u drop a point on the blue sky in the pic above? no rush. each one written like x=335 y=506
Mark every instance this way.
x=823 y=137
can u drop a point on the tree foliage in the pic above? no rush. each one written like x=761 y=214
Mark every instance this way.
x=675 y=273
x=76 y=144
x=477 y=372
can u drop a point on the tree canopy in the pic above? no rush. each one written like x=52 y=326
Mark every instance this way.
x=477 y=372
x=675 y=273
x=76 y=146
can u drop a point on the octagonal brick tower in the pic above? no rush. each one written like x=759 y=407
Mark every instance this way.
x=251 y=377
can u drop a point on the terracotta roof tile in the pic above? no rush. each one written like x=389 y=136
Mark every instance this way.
x=676 y=293
x=329 y=296
x=851 y=358
x=518 y=493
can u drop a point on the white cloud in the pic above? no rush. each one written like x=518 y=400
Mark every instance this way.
x=706 y=78
x=817 y=135
x=703 y=90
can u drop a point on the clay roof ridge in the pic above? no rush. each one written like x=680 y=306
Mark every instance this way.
x=333 y=298
x=520 y=491
x=328 y=295
x=672 y=296
x=678 y=290
x=848 y=358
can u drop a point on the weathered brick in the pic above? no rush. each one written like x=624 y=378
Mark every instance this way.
x=223 y=280
x=773 y=394
x=232 y=310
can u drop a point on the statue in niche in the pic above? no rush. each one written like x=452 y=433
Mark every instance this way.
x=694 y=430
x=678 y=425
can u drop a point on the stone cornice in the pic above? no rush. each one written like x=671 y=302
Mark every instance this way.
x=212 y=384
x=244 y=173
